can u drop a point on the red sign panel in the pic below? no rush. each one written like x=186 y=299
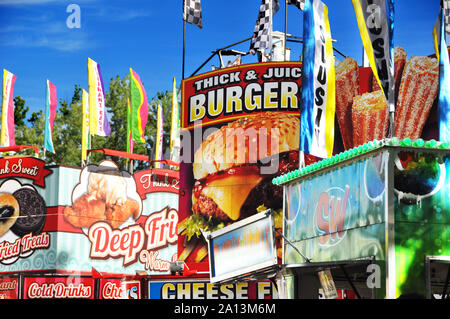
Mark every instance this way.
x=58 y=287
x=26 y=167
x=157 y=180
x=9 y=288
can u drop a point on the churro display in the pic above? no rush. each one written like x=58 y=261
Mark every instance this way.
x=363 y=116
x=369 y=117
x=417 y=92
x=399 y=64
x=347 y=87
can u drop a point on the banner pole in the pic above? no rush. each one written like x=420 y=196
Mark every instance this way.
x=285 y=27
x=184 y=47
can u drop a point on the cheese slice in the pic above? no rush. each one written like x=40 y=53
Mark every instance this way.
x=230 y=192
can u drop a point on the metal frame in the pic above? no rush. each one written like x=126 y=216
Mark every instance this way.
x=389 y=223
x=428 y=260
x=264 y=266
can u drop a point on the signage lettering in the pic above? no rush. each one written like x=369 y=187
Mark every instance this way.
x=330 y=216
x=26 y=167
x=23 y=244
x=219 y=95
x=128 y=243
x=59 y=290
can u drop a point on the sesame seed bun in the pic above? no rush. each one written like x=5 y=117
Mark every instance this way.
x=247 y=140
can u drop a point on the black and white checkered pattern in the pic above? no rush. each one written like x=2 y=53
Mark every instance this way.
x=447 y=15
x=262 y=37
x=298 y=3
x=192 y=12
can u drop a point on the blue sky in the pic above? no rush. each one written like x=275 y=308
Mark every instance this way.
x=36 y=44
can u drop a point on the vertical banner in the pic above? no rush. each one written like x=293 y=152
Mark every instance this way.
x=139 y=107
x=375 y=23
x=318 y=82
x=175 y=126
x=7 y=131
x=159 y=138
x=130 y=141
x=444 y=77
x=85 y=125
x=50 y=110
x=192 y=12
x=98 y=121
x=262 y=32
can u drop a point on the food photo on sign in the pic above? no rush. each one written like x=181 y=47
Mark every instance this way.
x=236 y=137
x=104 y=194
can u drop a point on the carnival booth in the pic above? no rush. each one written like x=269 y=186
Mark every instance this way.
x=370 y=221
x=93 y=232
x=376 y=217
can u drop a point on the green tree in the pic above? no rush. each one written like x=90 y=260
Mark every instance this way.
x=116 y=102
x=20 y=111
x=67 y=127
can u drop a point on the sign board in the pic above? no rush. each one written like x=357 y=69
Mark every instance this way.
x=74 y=219
x=250 y=110
x=73 y=287
x=245 y=246
x=9 y=288
x=338 y=215
x=327 y=282
x=206 y=290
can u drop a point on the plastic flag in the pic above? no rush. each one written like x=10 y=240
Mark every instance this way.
x=98 y=121
x=444 y=77
x=318 y=82
x=138 y=107
x=7 y=131
x=85 y=125
x=159 y=138
x=50 y=111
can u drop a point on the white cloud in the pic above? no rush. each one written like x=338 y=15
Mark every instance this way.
x=37 y=2
x=22 y=2
x=57 y=42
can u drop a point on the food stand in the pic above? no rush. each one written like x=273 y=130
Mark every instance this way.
x=91 y=232
x=376 y=215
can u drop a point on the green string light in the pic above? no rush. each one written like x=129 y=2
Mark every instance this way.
x=431 y=143
x=418 y=143
x=355 y=151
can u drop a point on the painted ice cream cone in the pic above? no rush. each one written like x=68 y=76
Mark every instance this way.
x=369 y=117
x=347 y=87
x=417 y=92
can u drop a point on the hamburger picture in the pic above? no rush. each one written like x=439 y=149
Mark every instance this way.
x=233 y=171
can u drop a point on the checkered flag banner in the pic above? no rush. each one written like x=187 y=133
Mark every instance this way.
x=262 y=37
x=447 y=15
x=298 y=3
x=192 y=12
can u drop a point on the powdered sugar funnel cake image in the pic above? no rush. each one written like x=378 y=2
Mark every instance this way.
x=104 y=193
x=417 y=176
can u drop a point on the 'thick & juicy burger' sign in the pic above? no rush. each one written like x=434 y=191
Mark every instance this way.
x=240 y=129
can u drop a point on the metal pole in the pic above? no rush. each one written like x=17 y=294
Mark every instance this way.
x=350 y=281
x=184 y=45
x=285 y=27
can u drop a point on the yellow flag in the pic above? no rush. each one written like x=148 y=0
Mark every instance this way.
x=85 y=125
x=159 y=138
